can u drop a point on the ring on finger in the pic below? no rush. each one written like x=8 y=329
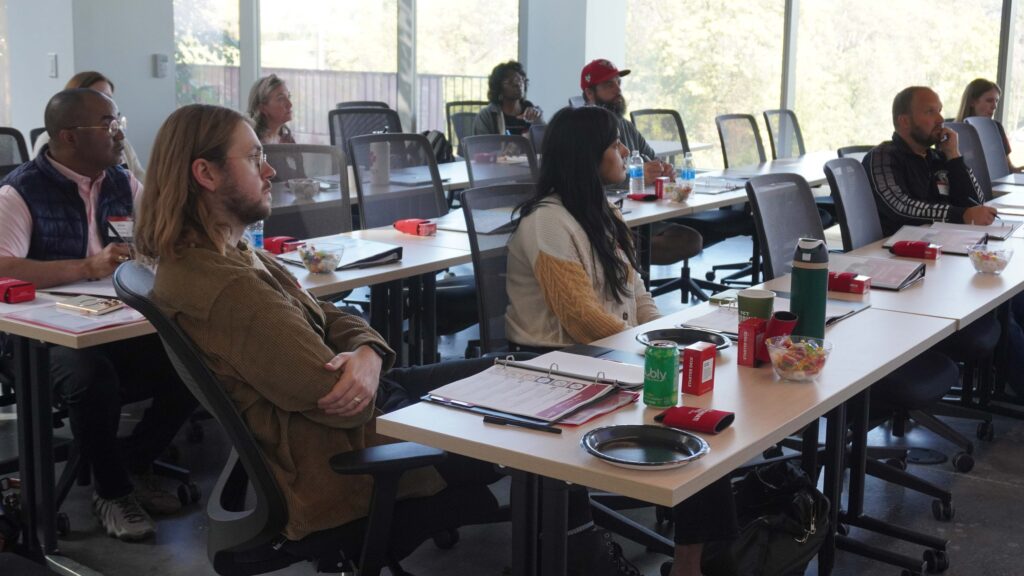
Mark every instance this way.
x=357 y=400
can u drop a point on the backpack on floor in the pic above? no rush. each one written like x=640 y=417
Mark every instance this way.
x=442 y=148
x=783 y=521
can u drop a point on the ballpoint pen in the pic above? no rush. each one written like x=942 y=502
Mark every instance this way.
x=522 y=424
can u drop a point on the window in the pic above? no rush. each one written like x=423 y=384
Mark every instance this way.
x=704 y=58
x=854 y=56
x=5 y=72
x=348 y=51
x=206 y=52
x=1013 y=95
x=458 y=42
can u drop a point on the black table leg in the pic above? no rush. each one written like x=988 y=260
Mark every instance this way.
x=554 y=526
x=429 y=328
x=42 y=423
x=644 y=253
x=835 y=446
x=415 y=321
x=26 y=444
x=524 y=505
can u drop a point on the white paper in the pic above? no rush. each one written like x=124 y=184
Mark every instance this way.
x=952 y=241
x=1001 y=228
x=103 y=287
x=485 y=221
x=75 y=322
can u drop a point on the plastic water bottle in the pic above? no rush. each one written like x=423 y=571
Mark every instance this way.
x=255 y=232
x=688 y=174
x=809 y=287
x=636 y=173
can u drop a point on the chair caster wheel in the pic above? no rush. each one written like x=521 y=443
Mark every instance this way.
x=195 y=433
x=936 y=561
x=963 y=462
x=63 y=525
x=943 y=510
x=773 y=452
x=446 y=539
x=986 y=431
x=710 y=276
x=663 y=515
x=897 y=463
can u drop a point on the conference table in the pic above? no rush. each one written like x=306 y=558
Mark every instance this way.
x=810 y=166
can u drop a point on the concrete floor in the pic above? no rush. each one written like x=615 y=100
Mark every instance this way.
x=986 y=536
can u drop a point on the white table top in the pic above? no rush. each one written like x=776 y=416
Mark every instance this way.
x=810 y=166
x=950 y=289
x=867 y=346
x=673 y=148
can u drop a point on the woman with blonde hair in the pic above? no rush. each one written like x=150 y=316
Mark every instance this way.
x=97 y=81
x=981 y=97
x=270 y=107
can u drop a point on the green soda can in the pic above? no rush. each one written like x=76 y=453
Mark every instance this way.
x=661 y=374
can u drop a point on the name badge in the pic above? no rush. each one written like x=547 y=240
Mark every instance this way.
x=124 y=226
x=942 y=182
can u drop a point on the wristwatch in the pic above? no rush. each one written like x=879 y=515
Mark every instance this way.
x=381 y=351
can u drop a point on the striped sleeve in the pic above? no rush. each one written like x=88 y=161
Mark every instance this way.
x=891 y=193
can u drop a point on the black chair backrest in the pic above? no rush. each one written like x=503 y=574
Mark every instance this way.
x=537 y=136
x=974 y=156
x=577 y=102
x=484 y=160
x=406 y=185
x=784 y=133
x=12 y=146
x=741 y=140
x=661 y=124
x=784 y=211
x=856 y=152
x=855 y=202
x=483 y=206
x=460 y=116
x=332 y=211
x=362 y=104
x=346 y=123
x=233 y=528
x=33 y=135
x=991 y=138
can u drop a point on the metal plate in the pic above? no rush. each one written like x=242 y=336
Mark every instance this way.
x=644 y=447
x=683 y=337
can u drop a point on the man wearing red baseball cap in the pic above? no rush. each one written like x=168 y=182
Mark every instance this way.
x=601 y=83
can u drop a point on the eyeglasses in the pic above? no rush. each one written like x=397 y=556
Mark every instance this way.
x=259 y=158
x=119 y=124
x=516 y=80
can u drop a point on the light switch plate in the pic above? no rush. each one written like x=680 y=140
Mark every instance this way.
x=52 y=58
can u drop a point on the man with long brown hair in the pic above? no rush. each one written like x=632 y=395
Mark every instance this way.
x=58 y=214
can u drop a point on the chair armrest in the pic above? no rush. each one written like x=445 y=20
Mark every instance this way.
x=396 y=457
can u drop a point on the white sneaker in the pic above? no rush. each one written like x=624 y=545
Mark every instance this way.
x=123 y=518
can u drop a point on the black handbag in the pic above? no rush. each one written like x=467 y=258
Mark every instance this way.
x=783 y=521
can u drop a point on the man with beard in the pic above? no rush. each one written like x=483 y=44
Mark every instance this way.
x=58 y=216
x=915 y=183
x=601 y=83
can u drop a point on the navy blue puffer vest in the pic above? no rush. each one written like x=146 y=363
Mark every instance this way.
x=59 y=227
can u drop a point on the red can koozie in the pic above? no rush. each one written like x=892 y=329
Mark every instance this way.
x=781 y=323
x=849 y=282
x=704 y=420
x=916 y=249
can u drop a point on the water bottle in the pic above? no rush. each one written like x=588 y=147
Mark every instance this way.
x=636 y=173
x=688 y=175
x=809 y=287
x=255 y=232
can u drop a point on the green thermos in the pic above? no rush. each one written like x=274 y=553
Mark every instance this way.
x=809 y=287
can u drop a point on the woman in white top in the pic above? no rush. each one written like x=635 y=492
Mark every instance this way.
x=270 y=107
x=572 y=269
x=100 y=83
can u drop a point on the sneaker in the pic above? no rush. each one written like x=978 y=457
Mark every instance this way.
x=152 y=497
x=123 y=518
x=595 y=553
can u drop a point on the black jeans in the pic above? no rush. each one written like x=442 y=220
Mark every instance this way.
x=94 y=382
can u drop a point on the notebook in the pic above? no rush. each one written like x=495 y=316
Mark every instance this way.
x=885 y=273
x=1001 y=229
x=358 y=253
x=952 y=241
x=497 y=221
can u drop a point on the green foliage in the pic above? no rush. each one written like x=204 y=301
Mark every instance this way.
x=203 y=36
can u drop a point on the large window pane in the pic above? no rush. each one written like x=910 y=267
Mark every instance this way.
x=1013 y=95
x=458 y=42
x=206 y=52
x=854 y=56
x=329 y=52
x=5 y=71
x=704 y=58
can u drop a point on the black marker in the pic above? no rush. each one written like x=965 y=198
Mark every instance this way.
x=522 y=424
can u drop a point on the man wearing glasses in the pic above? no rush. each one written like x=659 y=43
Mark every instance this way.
x=601 y=83
x=64 y=217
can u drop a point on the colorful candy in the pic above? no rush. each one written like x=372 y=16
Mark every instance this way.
x=798 y=357
x=319 y=261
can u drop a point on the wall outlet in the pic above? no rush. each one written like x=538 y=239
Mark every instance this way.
x=52 y=59
x=160 y=62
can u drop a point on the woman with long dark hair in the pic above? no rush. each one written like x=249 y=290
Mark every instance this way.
x=572 y=271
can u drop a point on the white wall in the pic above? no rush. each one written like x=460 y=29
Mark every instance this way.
x=119 y=38
x=35 y=29
x=561 y=37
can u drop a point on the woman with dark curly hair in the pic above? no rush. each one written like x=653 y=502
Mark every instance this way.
x=509 y=112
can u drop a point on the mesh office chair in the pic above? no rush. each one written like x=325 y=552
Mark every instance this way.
x=489 y=160
x=34 y=134
x=362 y=104
x=460 y=116
x=661 y=124
x=741 y=140
x=330 y=212
x=784 y=134
x=991 y=140
x=973 y=155
x=244 y=533
x=13 y=152
x=490 y=255
x=973 y=345
x=856 y=152
x=408 y=185
x=346 y=123
x=537 y=135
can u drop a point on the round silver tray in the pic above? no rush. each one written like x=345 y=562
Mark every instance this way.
x=644 y=447
x=683 y=337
